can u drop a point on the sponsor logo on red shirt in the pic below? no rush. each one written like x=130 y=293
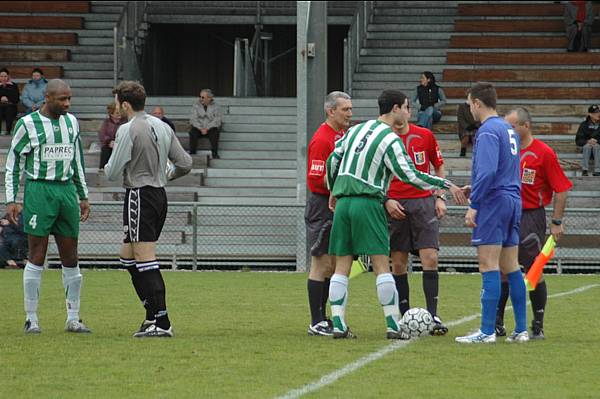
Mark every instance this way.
x=317 y=168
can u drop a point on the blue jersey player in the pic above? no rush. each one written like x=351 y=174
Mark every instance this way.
x=495 y=214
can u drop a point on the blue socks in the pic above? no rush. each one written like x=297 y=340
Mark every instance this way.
x=490 y=294
x=518 y=299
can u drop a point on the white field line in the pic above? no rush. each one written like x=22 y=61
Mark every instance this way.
x=392 y=347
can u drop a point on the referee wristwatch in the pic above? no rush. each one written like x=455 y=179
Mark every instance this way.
x=556 y=222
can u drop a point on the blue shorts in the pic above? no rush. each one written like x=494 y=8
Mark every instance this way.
x=498 y=222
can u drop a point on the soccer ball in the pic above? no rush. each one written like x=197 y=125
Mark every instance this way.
x=418 y=322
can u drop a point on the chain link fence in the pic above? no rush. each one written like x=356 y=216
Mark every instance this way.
x=273 y=237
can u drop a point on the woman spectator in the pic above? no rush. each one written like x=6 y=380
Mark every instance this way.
x=34 y=92
x=107 y=133
x=431 y=99
x=9 y=98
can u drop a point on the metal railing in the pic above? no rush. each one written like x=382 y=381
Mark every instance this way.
x=199 y=236
x=128 y=36
x=357 y=34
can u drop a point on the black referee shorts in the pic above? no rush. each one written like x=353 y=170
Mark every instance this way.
x=532 y=235
x=318 y=219
x=419 y=230
x=144 y=213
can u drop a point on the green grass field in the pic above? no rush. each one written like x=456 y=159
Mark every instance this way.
x=243 y=335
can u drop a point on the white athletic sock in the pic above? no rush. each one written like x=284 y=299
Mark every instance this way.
x=72 y=282
x=338 y=298
x=32 y=278
x=388 y=298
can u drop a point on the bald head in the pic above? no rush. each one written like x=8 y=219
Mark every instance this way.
x=158 y=112
x=56 y=85
x=58 y=98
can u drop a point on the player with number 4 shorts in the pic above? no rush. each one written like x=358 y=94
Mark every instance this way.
x=48 y=142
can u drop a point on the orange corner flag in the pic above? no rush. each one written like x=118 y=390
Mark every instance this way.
x=535 y=271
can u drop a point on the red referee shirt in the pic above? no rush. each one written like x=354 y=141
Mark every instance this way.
x=423 y=149
x=319 y=149
x=541 y=175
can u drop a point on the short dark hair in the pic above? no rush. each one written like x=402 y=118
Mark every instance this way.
x=522 y=113
x=38 y=70
x=388 y=98
x=484 y=92
x=132 y=92
x=4 y=70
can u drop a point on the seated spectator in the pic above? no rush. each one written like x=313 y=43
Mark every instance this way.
x=588 y=136
x=159 y=112
x=9 y=98
x=206 y=120
x=431 y=99
x=467 y=127
x=107 y=133
x=13 y=248
x=579 y=18
x=34 y=92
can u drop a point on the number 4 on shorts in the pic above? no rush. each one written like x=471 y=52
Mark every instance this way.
x=33 y=221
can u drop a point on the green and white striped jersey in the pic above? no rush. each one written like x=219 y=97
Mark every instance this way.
x=49 y=149
x=366 y=158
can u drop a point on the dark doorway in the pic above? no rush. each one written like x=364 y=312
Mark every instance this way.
x=179 y=59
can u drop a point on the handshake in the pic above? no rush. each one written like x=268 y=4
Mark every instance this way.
x=460 y=194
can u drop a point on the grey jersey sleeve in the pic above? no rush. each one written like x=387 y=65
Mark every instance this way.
x=121 y=154
x=180 y=158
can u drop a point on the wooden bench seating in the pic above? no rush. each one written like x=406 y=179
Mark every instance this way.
x=514 y=10
x=46 y=22
x=46 y=6
x=34 y=55
x=464 y=41
x=34 y=38
x=522 y=75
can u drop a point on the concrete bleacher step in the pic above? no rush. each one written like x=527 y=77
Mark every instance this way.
x=391 y=19
x=246 y=192
x=258 y=155
x=247 y=182
x=256 y=146
x=406 y=51
x=252 y=163
x=250 y=173
x=390 y=67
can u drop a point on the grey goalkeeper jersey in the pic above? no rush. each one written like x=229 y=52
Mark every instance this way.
x=142 y=147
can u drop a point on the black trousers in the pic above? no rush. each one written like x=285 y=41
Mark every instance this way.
x=105 y=153
x=8 y=113
x=213 y=137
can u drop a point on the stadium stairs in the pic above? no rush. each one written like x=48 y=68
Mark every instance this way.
x=520 y=47
x=459 y=42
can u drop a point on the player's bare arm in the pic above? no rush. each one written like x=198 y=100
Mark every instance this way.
x=84 y=206
x=557 y=227
x=440 y=200
x=12 y=210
